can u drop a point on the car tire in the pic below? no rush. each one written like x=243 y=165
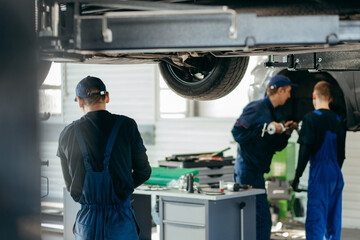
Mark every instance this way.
x=220 y=77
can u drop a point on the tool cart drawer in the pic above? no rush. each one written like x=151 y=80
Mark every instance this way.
x=179 y=212
x=174 y=231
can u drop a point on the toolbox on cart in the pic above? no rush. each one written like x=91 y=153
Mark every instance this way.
x=212 y=166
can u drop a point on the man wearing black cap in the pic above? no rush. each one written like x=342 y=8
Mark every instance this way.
x=103 y=159
x=255 y=150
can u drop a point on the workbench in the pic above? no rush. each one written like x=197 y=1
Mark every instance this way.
x=186 y=215
x=199 y=216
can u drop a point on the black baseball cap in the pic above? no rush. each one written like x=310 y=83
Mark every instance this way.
x=280 y=81
x=90 y=83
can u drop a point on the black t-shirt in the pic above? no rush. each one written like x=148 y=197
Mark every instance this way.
x=96 y=127
x=314 y=127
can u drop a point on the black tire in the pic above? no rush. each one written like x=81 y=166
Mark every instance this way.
x=220 y=77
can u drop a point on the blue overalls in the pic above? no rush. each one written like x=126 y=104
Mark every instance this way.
x=323 y=221
x=254 y=155
x=103 y=215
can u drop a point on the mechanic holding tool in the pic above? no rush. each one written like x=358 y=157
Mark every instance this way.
x=322 y=141
x=255 y=150
x=103 y=159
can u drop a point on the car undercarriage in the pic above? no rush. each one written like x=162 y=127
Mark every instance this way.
x=203 y=47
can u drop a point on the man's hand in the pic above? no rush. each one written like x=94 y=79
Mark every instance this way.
x=295 y=185
x=290 y=126
x=278 y=127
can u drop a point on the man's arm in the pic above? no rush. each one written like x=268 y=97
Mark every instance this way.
x=304 y=155
x=243 y=134
x=66 y=174
x=247 y=127
x=341 y=148
x=279 y=140
x=141 y=169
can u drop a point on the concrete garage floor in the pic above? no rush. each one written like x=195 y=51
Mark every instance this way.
x=350 y=234
x=347 y=234
x=297 y=231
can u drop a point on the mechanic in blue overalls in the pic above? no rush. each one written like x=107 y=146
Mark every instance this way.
x=255 y=150
x=322 y=141
x=103 y=159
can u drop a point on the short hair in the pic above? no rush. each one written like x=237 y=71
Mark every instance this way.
x=272 y=91
x=323 y=90
x=93 y=99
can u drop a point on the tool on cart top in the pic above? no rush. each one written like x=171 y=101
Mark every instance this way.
x=215 y=156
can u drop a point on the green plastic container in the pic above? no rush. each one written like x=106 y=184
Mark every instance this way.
x=162 y=175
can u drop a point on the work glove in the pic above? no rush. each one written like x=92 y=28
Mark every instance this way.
x=295 y=184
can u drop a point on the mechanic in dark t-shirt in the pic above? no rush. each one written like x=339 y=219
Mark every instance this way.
x=322 y=142
x=103 y=159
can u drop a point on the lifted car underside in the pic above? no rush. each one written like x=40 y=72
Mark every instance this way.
x=141 y=30
x=202 y=47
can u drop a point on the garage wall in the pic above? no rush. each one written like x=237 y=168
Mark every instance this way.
x=351 y=173
x=193 y=135
x=133 y=93
x=131 y=89
x=52 y=172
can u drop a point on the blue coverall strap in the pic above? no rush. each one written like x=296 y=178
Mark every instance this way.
x=111 y=140
x=317 y=112
x=81 y=142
